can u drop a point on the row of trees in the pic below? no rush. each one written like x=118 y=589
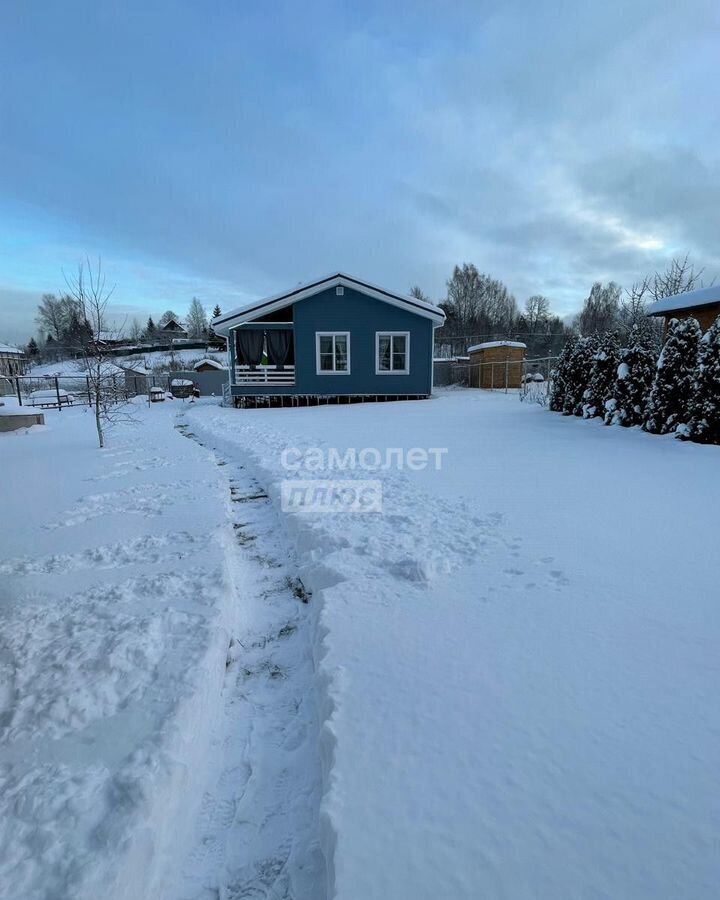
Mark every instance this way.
x=196 y=323
x=63 y=320
x=63 y=326
x=675 y=391
x=609 y=308
x=478 y=306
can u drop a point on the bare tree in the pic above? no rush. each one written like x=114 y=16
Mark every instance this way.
x=679 y=277
x=601 y=310
x=197 y=323
x=419 y=294
x=537 y=312
x=167 y=316
x=633 y=316
x=477 y=303
x=136 y=331
x=88 y=290
x=51 y=316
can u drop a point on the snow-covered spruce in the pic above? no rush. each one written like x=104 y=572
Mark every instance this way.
x=634 y=376
x=578 y=377
x=560 y=376
x=704 y=419
x=602 y=376
x=672 y=388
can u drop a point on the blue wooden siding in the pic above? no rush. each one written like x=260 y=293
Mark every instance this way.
x=362 y=316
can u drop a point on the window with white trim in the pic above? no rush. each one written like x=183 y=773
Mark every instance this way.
x=332 y=352
x=392 y=352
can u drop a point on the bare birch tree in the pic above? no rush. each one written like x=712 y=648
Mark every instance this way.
x=197 y=323
x=89 y=291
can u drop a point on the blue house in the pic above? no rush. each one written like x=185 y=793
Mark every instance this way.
x=337 y=339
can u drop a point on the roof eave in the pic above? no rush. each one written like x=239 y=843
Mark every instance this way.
x=683 y=309
x=224 y=324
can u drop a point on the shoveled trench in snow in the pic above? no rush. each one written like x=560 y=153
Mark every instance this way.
x=257 y=832
x=131 y=740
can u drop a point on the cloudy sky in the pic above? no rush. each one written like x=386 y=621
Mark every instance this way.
x=232 y=149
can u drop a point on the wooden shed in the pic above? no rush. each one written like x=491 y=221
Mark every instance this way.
x=702 y=304
x=497 y=364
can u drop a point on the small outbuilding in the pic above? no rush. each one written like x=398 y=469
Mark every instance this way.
x=208 y=365
x=12 y=361
x=703 y=305
x=497 y=364
x=136 y=378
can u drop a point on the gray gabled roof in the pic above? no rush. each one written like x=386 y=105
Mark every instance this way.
x=253 y=308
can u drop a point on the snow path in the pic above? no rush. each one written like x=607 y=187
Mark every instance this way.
x=257 y=832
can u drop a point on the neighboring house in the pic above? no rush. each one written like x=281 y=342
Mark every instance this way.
x=331 y=340
x=110 y=338
x=703 y=305
x=208 y=365
x=172 y=329
x=12 y=360
x=107 y=340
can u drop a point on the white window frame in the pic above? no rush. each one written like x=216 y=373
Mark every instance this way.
x=332 y=334
x=391 y=335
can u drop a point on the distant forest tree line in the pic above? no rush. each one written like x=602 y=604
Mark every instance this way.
x=479 y=308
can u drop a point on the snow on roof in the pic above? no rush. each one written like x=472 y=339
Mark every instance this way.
x=108 y=336
x=688 y=300
x=253 y=308
x=181 y=382
x=108 y=368
x=7 y=349
x=133 y=369
x=208 y=362
x=489 y=344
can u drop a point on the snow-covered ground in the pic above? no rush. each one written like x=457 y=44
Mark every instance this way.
x=504 y=684
x=150 y=661
x=156 y=360
x=519 y=654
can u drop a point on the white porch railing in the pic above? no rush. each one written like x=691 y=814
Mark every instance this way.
x=262 y=375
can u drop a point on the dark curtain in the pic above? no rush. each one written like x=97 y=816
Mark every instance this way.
x=249 y=345
x=279 y=342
